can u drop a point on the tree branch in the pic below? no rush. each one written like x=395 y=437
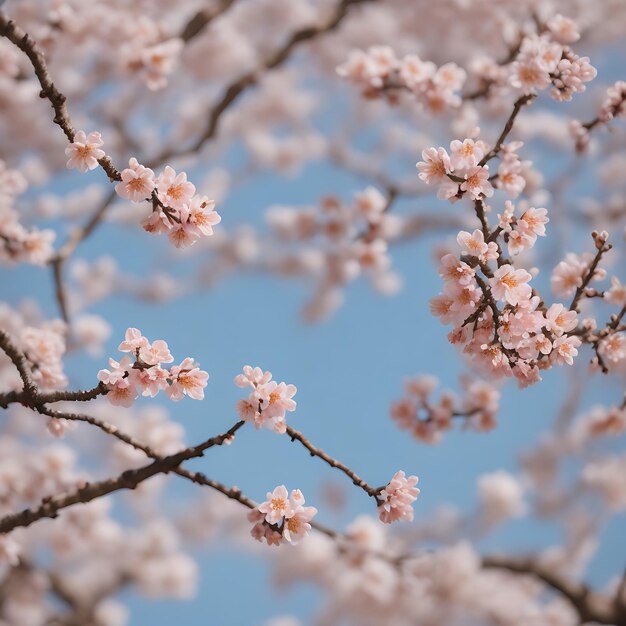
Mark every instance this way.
x=130 y=479
x=295 y=435
x=591 y=606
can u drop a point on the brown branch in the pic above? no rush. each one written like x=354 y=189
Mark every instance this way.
x=202 y=19
x=508 y=127
x=19 y=360
x=591 y=606
x=130 y=479
x=239 y=86
x=59 y=288
x=485 y=88
x=82 y=233
x=234 y=493
x=29 y=47
x=295 y=435
x=602 y=247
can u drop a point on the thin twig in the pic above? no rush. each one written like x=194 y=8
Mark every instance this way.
x=295 y=435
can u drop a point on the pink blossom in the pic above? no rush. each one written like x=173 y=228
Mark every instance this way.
x=84 y=152
x=397 y=498
x=613 y=348
x=532 y=223
x=157 y=223
x=560 y=320
x=370 y=203
x=137 y=182
x=510 y=285
x=450 y=77
x=173 y=189
x=472 y=244
x=184 y=233
x=150 y=380
x=187 y=379
x=435 y=167
x=269 y=401
x=359 y=67
x=465 y=154
x=563 y=29
x=118 y=371
x=529 y=74
x=133 y=341
x=616 y=294
x=122 y=393
x=277 y=505
x=564 y=350
x=155 y=353
x=414 y=72
x=277 y=398
x=252 y=376
x=510 y=175
x=298 y=524
x=452 y=269
x=202 y=214
x=477 y=182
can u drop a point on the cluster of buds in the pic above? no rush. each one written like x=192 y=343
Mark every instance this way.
x=396 y=499
x=545 y=60
x=427 y=419
x=282 y=518
x=465 y=170
x=348 y=240
x=143 y=372
x=526 y=335
x=177 y=210
x=268 y=401
x=18 y=243
x=379 y=71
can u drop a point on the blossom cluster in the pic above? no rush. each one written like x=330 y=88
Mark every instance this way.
x=396 y=499
x=613 y=106
x=545 y=60
x=378 y=70
x=268 y=401
x=465 y=170
x=151 y=61
x=427 y=419
x=18 y=243
x=282 y=518
x=525 y=335
x=350 y=240
x=43 y=343
x=142 y=372
x=145 y=552
x=178 y=211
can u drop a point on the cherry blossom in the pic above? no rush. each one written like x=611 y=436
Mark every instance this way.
x=282 y=518
x=84 y=152
x=397 y=498
x=137 y=182
x=269 y=401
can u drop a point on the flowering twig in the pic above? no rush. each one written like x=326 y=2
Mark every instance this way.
x=239 y=86
x=295 y=435
x=130 y=479
x=602 y=247
x=508 y=127
x=20 y=362
x=23 y=41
